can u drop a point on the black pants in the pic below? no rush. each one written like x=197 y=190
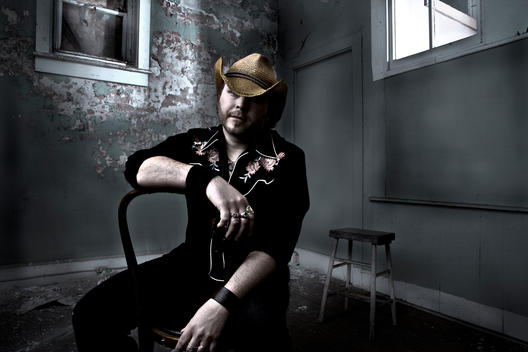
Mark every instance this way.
x=105 y=316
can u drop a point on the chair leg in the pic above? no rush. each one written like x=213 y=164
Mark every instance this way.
x=348 y=273
x=391 y=283
x=327 y=282
x=372 y=293
x=146 y=340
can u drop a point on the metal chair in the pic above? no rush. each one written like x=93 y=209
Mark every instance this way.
x=147 y=334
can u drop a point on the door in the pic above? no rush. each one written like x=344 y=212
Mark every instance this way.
x=328 y=127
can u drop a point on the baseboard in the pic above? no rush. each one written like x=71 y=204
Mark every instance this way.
x=27 y=275
x=490 y=318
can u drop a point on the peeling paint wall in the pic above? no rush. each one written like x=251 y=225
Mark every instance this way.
x=65 y=140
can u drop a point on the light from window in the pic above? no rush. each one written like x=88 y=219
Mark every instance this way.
x=105 y=40
x=452 y=24
x=92 y=30
x=419 y=25
x=91 y=27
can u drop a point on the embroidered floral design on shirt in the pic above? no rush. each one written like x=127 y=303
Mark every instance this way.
x=268 y=163
x=251 y=169
x=198 y=147
x=212 y=154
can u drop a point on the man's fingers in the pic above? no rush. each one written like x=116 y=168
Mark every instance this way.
x=182 y=342
x=193 y=345
x=225 y=218
x=234 y=225
x=212 y=346
x=251 y=224
x=245 y=225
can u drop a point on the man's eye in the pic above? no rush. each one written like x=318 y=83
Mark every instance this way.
x=259 y=99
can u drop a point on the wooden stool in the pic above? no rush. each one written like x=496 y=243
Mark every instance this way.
x=375 y=238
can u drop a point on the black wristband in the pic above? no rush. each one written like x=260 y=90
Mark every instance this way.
x=198 y=178
x=228 y=299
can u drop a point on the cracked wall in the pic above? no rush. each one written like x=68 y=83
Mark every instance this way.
x=65 y=140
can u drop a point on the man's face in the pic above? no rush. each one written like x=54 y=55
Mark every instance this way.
x=240 y=115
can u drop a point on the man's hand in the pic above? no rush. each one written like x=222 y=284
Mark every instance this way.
x=231 y=204
x=204 y=328
x=163 y=172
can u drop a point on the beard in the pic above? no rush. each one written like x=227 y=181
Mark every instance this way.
x=243 y=125
x=238 y=127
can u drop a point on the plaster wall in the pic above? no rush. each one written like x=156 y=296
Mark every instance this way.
x=65 y=140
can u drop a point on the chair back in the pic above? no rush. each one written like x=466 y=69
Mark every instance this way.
x=146 y=334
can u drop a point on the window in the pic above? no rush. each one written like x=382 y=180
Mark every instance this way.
x=419 y=25
x=409 y=34
x=97 y=39
x=88 y=29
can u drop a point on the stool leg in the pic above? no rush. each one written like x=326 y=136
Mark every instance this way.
x=349 y=272
x=327 y=282
x=391 y=283
x=372 y=292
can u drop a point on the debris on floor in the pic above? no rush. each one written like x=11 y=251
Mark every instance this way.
x=37 y=318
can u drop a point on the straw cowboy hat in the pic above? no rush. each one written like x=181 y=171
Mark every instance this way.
x=250 y=77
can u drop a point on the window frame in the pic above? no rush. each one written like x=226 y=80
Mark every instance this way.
x=49 y=60
x=381 y=68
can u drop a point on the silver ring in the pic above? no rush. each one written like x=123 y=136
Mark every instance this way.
x=235 y=215
x=249 y=210
x=244 y=215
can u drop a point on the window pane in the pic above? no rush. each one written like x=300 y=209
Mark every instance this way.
x=410 y=27
x=91 y=31
x=118 y=5
x=452 y=24
x=460 y=5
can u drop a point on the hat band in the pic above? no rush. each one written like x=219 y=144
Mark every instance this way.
x=253 y=79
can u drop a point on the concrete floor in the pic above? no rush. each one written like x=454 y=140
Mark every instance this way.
x=37 y=317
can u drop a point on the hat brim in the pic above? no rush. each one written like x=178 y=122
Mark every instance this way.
x=244 y=87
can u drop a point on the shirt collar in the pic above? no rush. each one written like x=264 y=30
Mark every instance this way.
x=263 y=143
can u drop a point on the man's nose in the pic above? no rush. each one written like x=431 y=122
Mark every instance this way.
x=241 y=102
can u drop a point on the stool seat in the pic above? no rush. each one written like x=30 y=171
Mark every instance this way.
x=364 y=235
x=374 y=238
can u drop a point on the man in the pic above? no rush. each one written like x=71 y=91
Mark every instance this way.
x=252 y=181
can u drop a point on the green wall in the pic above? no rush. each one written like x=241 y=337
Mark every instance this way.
x=65 y=140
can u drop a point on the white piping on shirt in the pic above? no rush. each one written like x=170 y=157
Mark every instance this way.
x=274 y=150
x=207 y=144
x=273 y=144
x=234 y=166
x=257 y=181
x=211 y=261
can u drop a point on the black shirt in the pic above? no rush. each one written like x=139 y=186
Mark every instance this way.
x=271 y=174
